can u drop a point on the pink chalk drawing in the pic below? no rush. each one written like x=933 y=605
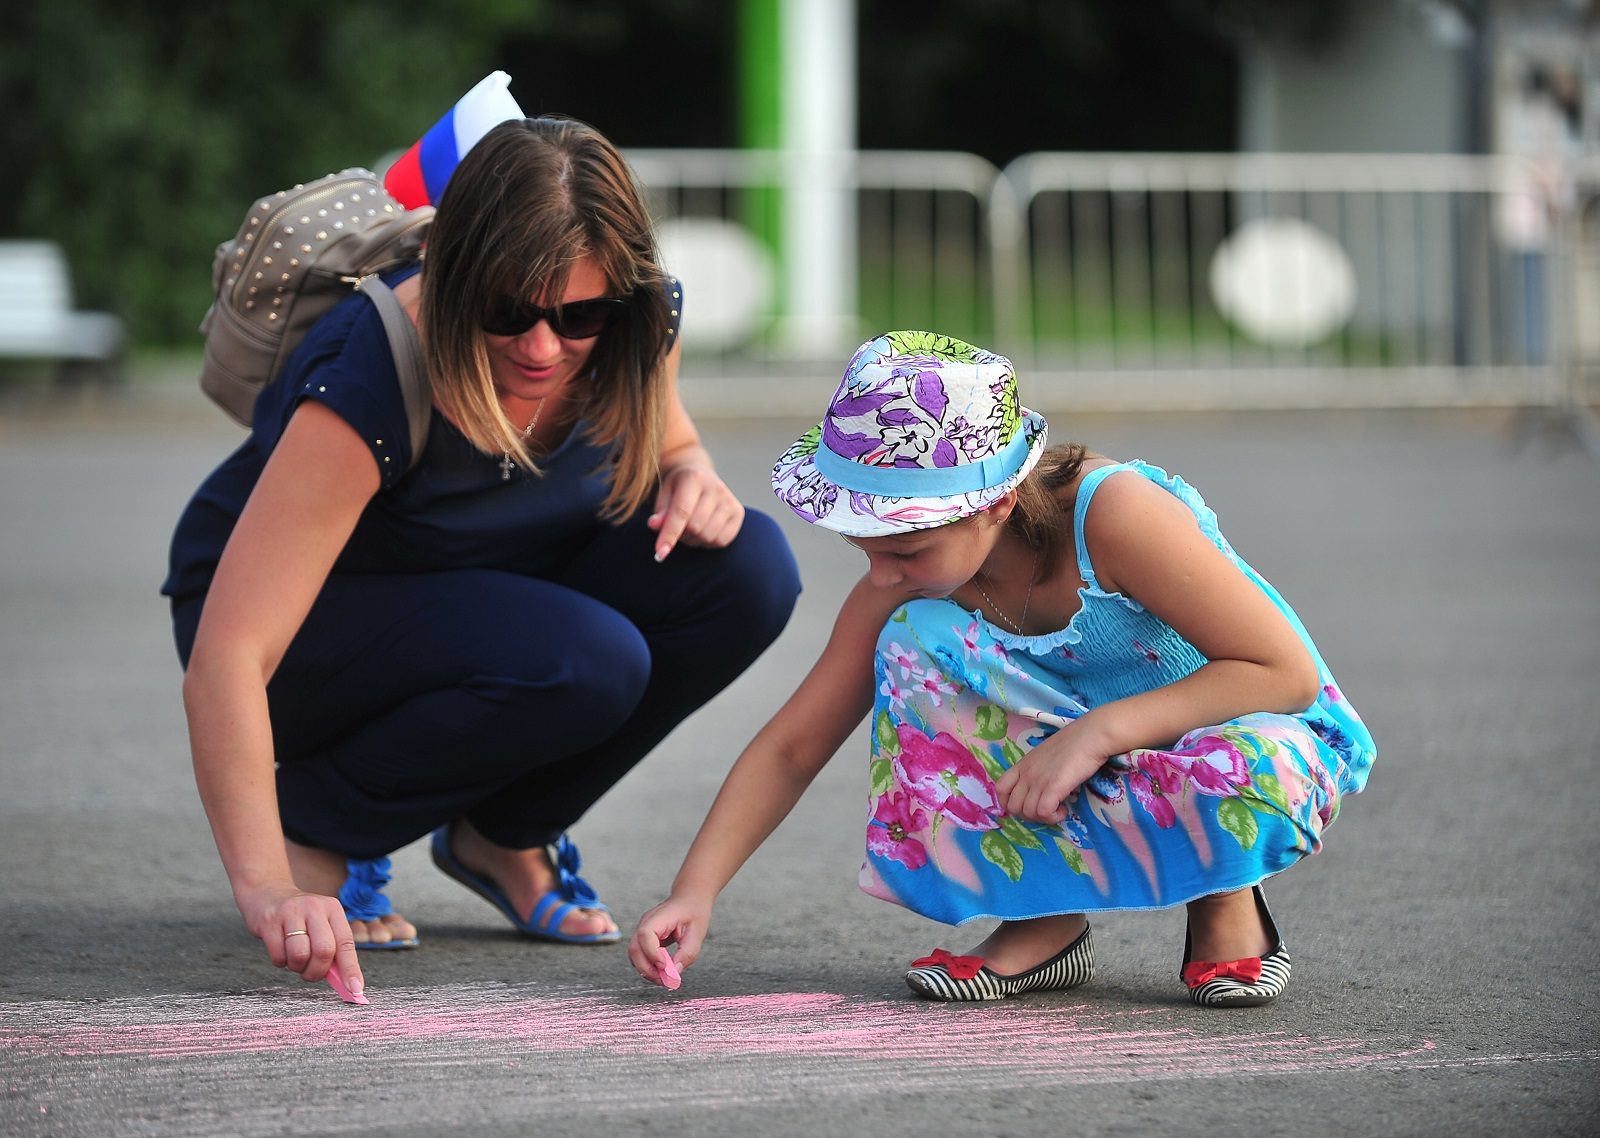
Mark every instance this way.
x=1072 y=1043
x=62 y=1054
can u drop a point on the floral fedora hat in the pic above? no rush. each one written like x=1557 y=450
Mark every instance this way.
x=924 y=429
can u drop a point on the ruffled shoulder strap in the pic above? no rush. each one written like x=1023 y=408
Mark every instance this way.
x=1080 y=509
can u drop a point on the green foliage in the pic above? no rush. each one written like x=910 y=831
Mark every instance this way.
x=1235 y=817
x=990 y=764
x=148 y=129
x=1020 y=835
x=1002 y=853
x=1072 y=855
x=989 y=722
x=1269 y=793
x=888 y=738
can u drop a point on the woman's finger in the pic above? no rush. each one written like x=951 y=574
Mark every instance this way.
x=720 y=525
x=675 y=508
x=727 y=524
x=709 y=527
x=297 y=949
x=346 y=962
x=323 y=942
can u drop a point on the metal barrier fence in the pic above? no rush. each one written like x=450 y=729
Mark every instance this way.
x=918 y=221
x=1184 y=280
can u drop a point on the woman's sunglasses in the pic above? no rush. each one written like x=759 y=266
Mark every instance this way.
x=580 y=320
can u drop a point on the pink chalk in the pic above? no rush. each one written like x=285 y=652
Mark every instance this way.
x=336 y=982
x=668 y=967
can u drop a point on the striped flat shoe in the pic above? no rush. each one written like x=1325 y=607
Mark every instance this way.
x=942 y=976
x=1246 y=983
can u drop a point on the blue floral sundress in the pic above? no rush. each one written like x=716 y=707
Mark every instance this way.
x=1227 y=806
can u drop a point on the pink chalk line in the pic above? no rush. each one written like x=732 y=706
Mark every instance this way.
x=1073 y=1044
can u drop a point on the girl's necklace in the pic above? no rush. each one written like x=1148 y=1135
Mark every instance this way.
x=506 y=465
x=1026 y=600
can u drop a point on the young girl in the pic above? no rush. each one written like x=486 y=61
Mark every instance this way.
x=1081 y=698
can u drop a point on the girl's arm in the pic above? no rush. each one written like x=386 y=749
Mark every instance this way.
x=298 y=518
x=693 y=504
x=769 y=777
x=1146 y=544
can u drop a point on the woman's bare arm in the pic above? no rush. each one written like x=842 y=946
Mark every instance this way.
x=302 y=511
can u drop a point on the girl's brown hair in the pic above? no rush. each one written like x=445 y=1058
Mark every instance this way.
x=533 y=197
x=1041 y=507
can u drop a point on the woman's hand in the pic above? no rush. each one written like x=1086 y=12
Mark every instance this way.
x=303 y=932
x=696 y=507
x=677 y=920
x=1040 y=782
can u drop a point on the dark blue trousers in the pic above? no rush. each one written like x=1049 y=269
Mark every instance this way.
x=411 y=700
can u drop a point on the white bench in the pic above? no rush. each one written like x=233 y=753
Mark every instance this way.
x=37 y=317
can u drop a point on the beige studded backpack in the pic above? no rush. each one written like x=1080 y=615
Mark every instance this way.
x=297 y=254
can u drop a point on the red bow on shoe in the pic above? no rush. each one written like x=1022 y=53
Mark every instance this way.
x=1200 y=972
x=959 y=967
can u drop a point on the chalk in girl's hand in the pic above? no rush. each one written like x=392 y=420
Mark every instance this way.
x=336 y=982
x=1043 y=716
x=668 y=967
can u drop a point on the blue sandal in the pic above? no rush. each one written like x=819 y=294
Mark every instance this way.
x=544 y=923
x=363 y=899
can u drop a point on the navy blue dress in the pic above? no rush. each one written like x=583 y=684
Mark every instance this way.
x=483 y=648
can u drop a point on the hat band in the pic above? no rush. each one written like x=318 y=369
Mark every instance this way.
x=922 y=481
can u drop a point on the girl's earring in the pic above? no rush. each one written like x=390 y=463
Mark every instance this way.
x=998 y=512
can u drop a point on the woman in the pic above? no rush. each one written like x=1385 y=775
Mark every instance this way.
x=484 y=642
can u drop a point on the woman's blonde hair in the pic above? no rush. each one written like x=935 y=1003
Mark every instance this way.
x=532 y=198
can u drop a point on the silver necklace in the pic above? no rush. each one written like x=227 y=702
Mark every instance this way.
x=1026 y=600
x=506 y=465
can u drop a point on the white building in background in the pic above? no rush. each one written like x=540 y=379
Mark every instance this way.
x=1513 y=77
x=1399 y=78
x=1418 y=77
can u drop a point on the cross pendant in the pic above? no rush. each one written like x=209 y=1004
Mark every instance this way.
x=505 y=467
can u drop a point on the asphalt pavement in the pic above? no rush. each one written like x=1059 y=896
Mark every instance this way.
x=1448 y=563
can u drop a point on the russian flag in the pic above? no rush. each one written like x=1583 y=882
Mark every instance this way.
x=419 y=177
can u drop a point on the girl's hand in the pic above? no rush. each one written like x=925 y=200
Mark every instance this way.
x=320 y=936
x=680 y=921
x=695 y=506
x=1040 y=782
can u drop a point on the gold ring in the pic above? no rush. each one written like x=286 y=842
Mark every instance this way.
x=297 y=932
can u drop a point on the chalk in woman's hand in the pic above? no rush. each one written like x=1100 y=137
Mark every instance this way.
x=671 y=978
x=1043 y=716
x=336 y=981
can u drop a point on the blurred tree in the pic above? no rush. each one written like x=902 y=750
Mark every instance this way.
x=140 y=130
x=996 y=78
x=992 y=77
x=646 y=72
x=1001 y=78
x=138 y=133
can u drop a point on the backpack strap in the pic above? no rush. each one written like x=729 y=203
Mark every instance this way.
x=408 y=365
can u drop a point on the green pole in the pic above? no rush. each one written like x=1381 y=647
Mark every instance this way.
x=761 y=117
